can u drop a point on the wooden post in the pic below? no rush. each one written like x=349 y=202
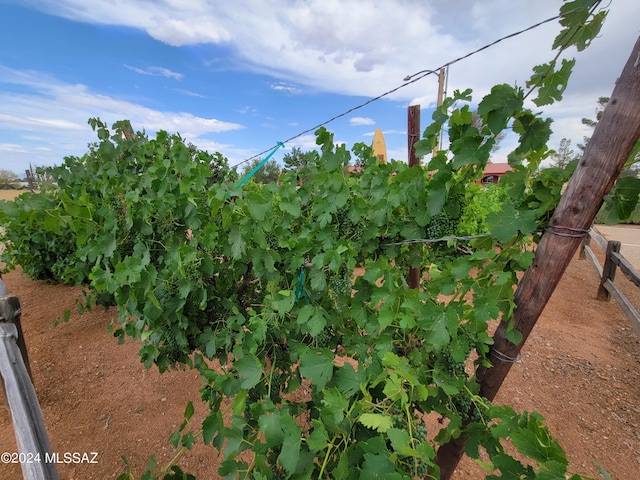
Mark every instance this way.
x=439 y=100
x=27 y=419
x=413 y=132
x=613 y=140
x=10 y=312
x=609 y=270
x=586 y=243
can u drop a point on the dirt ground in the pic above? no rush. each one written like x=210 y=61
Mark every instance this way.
x=580 y=369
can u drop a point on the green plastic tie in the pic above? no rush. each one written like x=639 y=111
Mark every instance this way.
x=257 y=167
x=300 y=292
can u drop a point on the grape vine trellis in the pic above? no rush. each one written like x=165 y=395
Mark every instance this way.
x=260 y=296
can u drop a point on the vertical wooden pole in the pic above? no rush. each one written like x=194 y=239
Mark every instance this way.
x=413 y=133
x=608 y=271
x=439 y=100
x=586 y=243
x=609 y=148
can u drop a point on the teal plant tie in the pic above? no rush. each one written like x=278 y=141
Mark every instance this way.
x=257 y=167
x=300 y=293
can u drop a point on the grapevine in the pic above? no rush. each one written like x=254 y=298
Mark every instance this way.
x=324 y=373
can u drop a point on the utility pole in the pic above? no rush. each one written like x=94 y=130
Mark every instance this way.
x=441 y=82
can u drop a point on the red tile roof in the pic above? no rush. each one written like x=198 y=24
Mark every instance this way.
x=497 y=169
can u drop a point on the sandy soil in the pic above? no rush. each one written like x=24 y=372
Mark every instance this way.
x=580 y=369
x=10 y=194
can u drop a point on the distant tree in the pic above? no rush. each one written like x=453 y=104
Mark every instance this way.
x=476 y=121
x=8 y=180
x=631 y=167
x=602 y=103
x=564 y=155
x=296 y=158
x=268 y=173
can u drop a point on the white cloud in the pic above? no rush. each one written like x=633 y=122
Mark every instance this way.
x=189 y=93
x=361 y=48
x=12 y=148
x=313 y=43
x=156 y=72
x=304 y=142
x=357 y=121
x=51 y=117
x=283 y=87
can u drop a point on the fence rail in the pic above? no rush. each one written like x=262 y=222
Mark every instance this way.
x=613 y=260
x=15 y=373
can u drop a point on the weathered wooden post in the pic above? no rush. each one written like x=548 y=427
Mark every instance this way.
x=609 y=270
x=586 y=243
x=413 y=134
x=613 y=140
x=27 y=419
x=10 y=312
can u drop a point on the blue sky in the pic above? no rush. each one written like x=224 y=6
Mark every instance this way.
x=237 y=77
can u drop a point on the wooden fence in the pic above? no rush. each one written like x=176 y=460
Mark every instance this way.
x=34 y=453
x=613 y=260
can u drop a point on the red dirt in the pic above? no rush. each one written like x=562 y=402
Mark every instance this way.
x=580 y=369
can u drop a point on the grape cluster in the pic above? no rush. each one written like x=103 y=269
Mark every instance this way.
x=344 y=226
x=272 y=240
x=253 y=396
x=441 y=225
x=419 y=434
x=274 y=391
x=168 y=289
x=170 y=349
x=192 y=271
x=341 y=282
x=450 y=365
x=324 y=338
x=462 y=404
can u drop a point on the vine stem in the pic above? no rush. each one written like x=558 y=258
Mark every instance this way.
x=179 y=454
x=555 y=59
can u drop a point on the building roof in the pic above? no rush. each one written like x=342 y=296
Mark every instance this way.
x=497 y=169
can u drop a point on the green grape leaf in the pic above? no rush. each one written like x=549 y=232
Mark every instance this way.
x=348 y=380
x=290 y=454
x=211 y=425
x=271 y=426
x=319 y=438
x=238 y=245
x=552 y=470
x=535 y=442
x=551 y=83
x=461 y=116
x=188 y=411
x=624 y=199
x=317 y=365
x=400 y=439
x=257 y=205
x=503 y=102
x=378 y=466
x=510 y=467
x=513 y=335
x=507 y=223
x=250 y=370
x=579 y=30
x=376 y=421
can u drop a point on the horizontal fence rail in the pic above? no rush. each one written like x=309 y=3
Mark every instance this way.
x=28 y=422
x=613 y=260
